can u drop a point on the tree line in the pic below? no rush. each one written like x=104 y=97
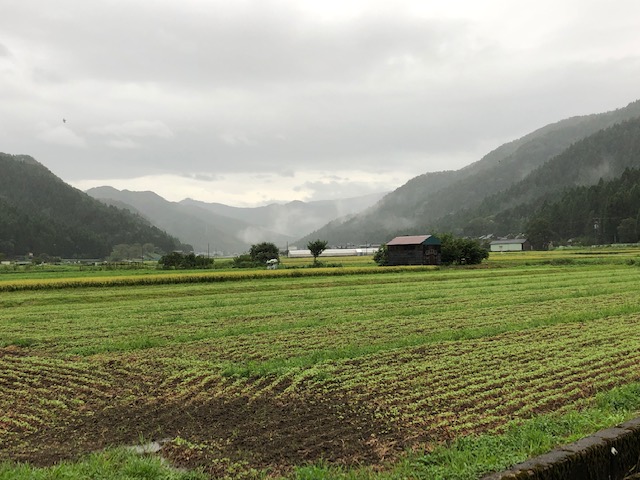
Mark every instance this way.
x=608 y=212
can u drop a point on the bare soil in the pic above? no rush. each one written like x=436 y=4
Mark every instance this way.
x=218 y=433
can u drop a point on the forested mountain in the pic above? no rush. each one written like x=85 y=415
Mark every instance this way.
x=604 y=155
x=39 y=213
x=227 y=229
x=437 y=201
x=606 y=212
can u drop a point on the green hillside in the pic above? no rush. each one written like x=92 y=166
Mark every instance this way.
x=594 y=161
x=39 y=213
x=440 y=200
x=607 y=212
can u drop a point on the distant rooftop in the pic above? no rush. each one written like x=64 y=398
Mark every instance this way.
x=410 y=240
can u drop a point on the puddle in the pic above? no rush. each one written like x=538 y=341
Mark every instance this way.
x=148 y=448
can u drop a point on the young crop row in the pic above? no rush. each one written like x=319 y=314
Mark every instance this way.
x=238 y=313
x=39 y=391
x=502 y=379
x=366 y=333
x=454 y=388
x=288 y=318
x=431 y=354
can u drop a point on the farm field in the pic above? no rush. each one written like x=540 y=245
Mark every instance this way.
x=352 y=372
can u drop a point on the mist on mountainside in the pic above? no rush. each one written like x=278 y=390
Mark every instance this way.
x=439 y=201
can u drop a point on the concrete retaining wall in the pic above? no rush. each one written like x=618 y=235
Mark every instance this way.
x=611 y=454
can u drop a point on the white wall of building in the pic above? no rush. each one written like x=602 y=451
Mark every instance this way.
x=507 y=247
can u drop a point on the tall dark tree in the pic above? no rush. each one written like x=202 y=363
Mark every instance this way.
x=539 y=233
x=628 y=230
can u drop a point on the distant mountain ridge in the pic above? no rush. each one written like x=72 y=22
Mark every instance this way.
x=231 y=230
x=39 y=213
x=605 y=156
x=434 y=201
x=498 y=194
x=295 y=218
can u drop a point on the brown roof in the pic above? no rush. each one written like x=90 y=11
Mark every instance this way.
x=408 y=240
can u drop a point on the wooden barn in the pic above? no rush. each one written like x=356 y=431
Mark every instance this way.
x=414 y=250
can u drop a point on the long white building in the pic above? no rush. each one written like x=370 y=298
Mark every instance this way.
x=335 y=252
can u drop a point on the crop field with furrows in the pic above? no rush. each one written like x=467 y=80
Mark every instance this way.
x=344 y=372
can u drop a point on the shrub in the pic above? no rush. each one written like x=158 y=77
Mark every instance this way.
x=177 y=260
x=244 y=261
x=381 y=257
x=462 y=251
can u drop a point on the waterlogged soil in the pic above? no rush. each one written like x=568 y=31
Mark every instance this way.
x=221 y=434
x=258 y=434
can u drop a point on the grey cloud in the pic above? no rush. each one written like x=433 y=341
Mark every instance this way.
x=227 y=44
x=135 y=128
x=122 y=143
x=203 y=177
x=287 y=172
x=4 y=51
x=61 y=135
x=339 y=189
x=47 y=76
x=261 y=87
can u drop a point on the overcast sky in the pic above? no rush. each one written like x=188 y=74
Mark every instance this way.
x=247 y=102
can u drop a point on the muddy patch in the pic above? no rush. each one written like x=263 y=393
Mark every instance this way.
x=255 y=434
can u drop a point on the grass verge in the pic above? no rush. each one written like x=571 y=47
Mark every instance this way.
x=115 y=464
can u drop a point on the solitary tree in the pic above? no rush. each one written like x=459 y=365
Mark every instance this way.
x=264 y=251
x=316 y=248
